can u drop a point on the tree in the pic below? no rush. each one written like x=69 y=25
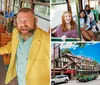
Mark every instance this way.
x=94 y=62
x=66 y=50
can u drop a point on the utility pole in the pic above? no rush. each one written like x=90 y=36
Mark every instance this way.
x=54 y=48
x=54 y=60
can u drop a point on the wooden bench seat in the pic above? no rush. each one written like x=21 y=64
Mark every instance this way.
x=4 y=39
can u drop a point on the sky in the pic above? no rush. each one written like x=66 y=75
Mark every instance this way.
x=89 y=51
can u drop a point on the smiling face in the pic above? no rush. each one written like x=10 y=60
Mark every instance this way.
x=87 y=8
x=82 y=14
x=25 y=23
x=67 y=18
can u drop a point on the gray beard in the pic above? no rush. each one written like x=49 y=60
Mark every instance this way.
x=26 y=36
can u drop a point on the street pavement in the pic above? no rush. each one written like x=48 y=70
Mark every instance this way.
x=75 y=82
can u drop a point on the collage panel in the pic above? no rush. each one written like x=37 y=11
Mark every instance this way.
x=75 y=20
x=75 y=63
x=24 y=42
x=44 y=42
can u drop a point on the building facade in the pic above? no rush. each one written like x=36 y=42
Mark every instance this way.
x=69 y=64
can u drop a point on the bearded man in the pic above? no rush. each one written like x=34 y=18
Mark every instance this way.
x=29 y=48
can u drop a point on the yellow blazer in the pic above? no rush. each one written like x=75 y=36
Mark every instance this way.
x=38 y=66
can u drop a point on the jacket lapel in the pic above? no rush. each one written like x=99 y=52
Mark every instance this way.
x=14 y=46
x=34 y=49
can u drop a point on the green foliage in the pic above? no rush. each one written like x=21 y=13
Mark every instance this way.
x=95 y=62
x=81 y=45
x=53 y=1
x=65 y=51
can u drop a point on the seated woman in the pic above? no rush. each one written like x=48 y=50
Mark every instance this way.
x=68 y=27
x=85 y=26
x=91 y=16
x=12 y=24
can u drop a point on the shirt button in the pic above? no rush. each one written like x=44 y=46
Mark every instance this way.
x=21 y=63
x=20 y=71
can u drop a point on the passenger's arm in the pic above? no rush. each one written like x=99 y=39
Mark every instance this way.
x=87 y=26
x=84 y=27
x=91 y=16
x=6 y=49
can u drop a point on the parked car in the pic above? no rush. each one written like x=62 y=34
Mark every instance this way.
x=59 y=79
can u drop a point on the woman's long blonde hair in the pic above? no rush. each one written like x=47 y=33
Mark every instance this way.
x=64 y=26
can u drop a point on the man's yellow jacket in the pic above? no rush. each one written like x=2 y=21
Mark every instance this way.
x=38 y=66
